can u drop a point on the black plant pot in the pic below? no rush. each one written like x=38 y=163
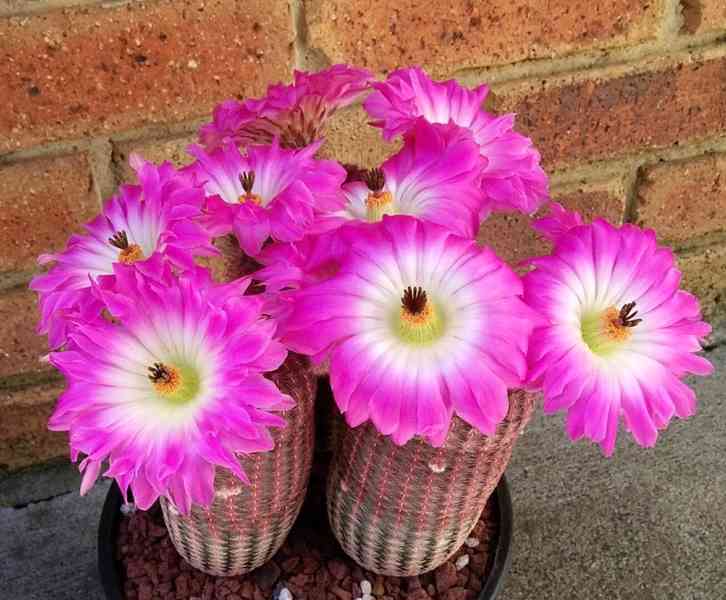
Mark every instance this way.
x=111 y=573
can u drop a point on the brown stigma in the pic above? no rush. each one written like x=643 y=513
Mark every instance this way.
x=419 y=322
x=375 y=180
x=413 y=300
x=626 y=316
x=247 y=179
x=128 y=253
x=378 y=202
x=159 y=373
x=167 y=380
x=617 y=324
x=119 y=240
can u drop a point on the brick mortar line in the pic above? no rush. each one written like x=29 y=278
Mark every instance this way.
x=599 y=172
x=299 y=30
x=48 y=150
x=604 y=169
x=672 y=22
x=306 y=57
x=587 y=64
x=153 y=132
x=100 y=158
x=633 y=181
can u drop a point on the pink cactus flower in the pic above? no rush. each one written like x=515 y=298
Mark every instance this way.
x=511 y=177
x=620 y=334
x=267 y=192
x=172 y=388
x=154 y=216
x=295 y=114
x=419 y=324
x=433 y=177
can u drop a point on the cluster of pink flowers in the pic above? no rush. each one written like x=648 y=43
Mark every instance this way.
x=376 y=273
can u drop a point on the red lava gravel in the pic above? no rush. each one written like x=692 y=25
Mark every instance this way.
x=310 y=565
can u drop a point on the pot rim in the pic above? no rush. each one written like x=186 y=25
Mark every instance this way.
x=110 y=573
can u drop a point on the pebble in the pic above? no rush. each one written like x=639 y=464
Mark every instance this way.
x=471 y=542
x=309 y=566
x=128 y=509
x=285 y=594
x=462 y=561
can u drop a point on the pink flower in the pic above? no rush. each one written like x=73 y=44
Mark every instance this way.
x=419 y=324
x=296 y=114
x=267 y=192
x=300 y=264
x=557 y=222
x=511 y=177
x=154 y=216
x=173 y=388
x=293 y=266
x=433 y=177
x=620 y=334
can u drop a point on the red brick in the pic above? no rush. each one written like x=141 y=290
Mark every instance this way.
x=704 y=274
x=156 y=151
x=90 y=70
x=703 y=16
x=463 y=33
x=511 y=235
x=574 y=120
x=20 y=347
x=43 y=201
x=684 y=200
x=24 y=436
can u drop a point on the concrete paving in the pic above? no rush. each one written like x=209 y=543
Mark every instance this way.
x=644 y=525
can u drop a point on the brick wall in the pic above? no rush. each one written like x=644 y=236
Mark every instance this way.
x=626 y=99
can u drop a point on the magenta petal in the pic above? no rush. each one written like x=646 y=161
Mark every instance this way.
x=90 y=470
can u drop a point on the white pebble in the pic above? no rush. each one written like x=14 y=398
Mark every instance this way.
x=285 y=594
x=462 y=561
x=471 y=542
x=367 y=597
x=366 y=588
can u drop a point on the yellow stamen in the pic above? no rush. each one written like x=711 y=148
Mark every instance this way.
x=250 y=197
x=418 y=320
x=131 y=254
x=613 y=327
x=168 y=382
x=175 y=384
x=378 y=204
